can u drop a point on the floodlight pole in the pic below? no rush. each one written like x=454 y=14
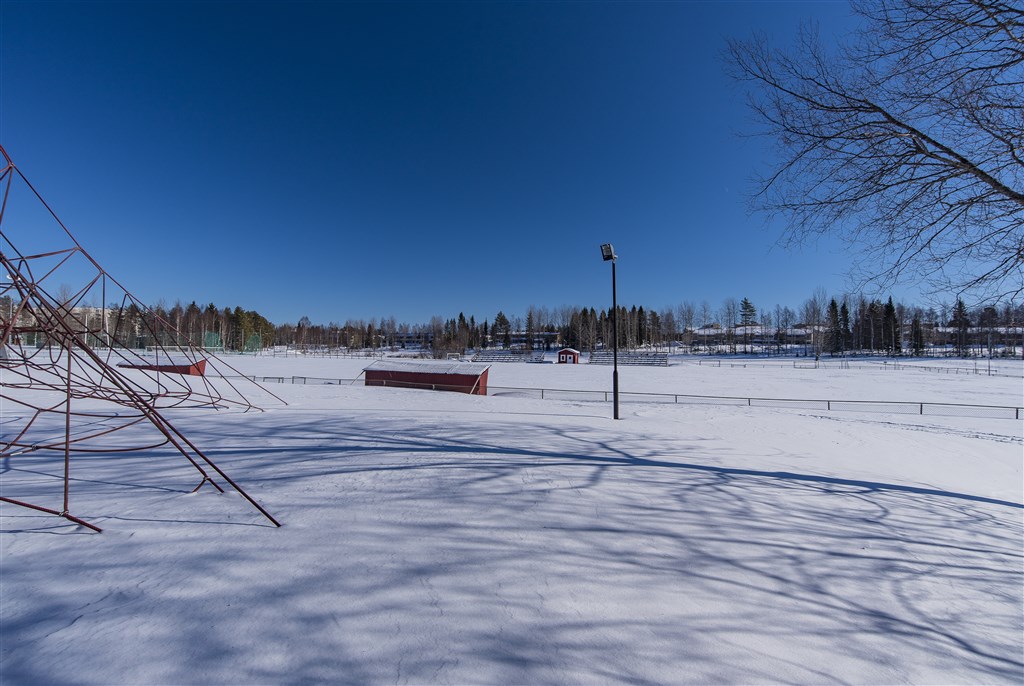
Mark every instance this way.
x=608 y=254
x=615 y=346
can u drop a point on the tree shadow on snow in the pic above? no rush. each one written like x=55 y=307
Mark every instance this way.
x=947 y=565
x=437 y=551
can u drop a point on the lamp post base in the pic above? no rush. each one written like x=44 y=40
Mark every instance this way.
x=615 y=391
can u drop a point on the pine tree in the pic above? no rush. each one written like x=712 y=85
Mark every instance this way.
x=874 y=317
x=503 y=328
x=626 y=330
x=961 y=320
x=586 y=340
x=640 y=322
x=571 y=334
x=748 y=318
x=916 y=336
x=462 y=333
x=844 y=325
x=892 y=329
x=748 y=313
x=834 y=335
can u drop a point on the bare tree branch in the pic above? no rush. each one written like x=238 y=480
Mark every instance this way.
x=908 y=142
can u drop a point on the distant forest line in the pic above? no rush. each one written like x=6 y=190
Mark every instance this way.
x=822 y=325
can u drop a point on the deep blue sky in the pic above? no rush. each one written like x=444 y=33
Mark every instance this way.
x=355 y=160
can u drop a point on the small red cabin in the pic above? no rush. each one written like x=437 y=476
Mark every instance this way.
x=568 y=356
x=436 y=375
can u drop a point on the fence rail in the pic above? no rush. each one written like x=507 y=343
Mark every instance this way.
x=983 y=369
x=880 y=406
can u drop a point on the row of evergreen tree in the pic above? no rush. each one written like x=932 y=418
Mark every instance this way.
x=830 y=325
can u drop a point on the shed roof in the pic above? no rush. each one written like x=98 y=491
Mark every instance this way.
x=429 y=367
x=569 y=350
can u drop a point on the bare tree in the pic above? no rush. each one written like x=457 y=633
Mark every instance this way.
x=764 y=330
x=669 y=327
x=813 y=313
x=908 y=141
x=705 y=313
x=685 y=313
x=728 y=315
x=783 y=325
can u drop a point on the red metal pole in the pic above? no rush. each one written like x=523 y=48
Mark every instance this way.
x=67 y=438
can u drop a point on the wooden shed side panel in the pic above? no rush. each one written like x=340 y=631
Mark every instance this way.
x=458 y=383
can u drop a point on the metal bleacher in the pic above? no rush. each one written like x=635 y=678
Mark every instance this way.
x=630 y=358
x=509 y=356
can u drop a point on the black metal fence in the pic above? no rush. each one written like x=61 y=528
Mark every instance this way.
x=980 y=367
x=823 y=405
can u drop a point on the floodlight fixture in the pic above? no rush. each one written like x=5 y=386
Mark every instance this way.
x=608 y=254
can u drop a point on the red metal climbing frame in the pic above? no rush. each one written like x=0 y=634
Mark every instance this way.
x=81 y=362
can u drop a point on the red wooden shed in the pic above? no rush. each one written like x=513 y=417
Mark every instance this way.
x=197 y=368
x=568 y=356
x=436 y=375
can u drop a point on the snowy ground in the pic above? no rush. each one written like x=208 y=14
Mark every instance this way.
x=444 y=538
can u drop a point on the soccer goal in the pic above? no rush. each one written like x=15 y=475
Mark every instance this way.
x=212 y=342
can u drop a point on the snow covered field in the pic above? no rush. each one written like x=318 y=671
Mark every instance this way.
x=444 y=538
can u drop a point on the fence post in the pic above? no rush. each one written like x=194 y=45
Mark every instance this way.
x=542 y=394
x=922 y=408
